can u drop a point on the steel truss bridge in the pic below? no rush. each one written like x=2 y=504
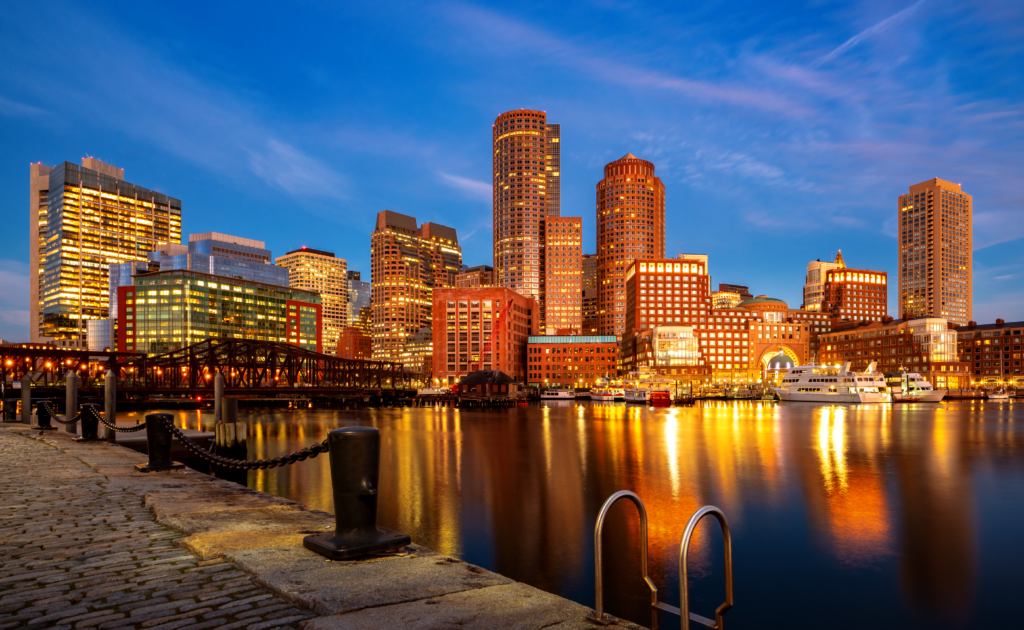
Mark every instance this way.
x=259 y=367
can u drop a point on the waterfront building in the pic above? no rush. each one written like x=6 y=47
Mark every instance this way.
x=668 y=350
x=479 y=276
x=935 y=221
x=358 y=295
x=855 y=294
x=563 y=275
x=466 y=320
x=993 y=352
x=408 y=263
x=927 y=346
x=630 y=225
x=571 y=360
x=326 y=274
x=165 y=311
x=523 y=143
x=814 y=281
x=354 y=344
x=92 y=218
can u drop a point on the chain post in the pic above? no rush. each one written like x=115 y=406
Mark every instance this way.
x=43 y=416
x=159 y=441
x=355 y=468
x=90 y=424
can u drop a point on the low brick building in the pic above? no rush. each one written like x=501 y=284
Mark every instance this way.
x=993 y=352
x=570 y=360
x=354 y=344
x=466 y=319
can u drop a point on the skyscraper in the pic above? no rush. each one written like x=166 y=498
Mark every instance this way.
x=358 y=296
x=630 y=225
x=814 y=281
x=553 y=170
x=523 y=146
x=935 y=266
x=563 y=275
x=93 y=219
x=322 y=272
x=407 y=264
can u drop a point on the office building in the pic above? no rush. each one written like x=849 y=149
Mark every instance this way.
x=365 y=321
x=220 y=255
x=324 y=273
x=927 y=346
x=992 y=353
x=814 y=281
x=935 y=221
x=484 y=328
x=856 y=294
x=92 y=218
x=479 y=276
x=407 y=264
x=563 y=276
x=553 y=170
x=589 y=271
x=630 y=225
x=418 y=355
x=591 y=323
x=576 y=361
x=354 y=344
x=673 y=351
x=165 y=311
x=359 y=293
x=521 y=149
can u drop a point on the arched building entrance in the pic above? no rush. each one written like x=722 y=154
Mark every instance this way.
x=775 y=361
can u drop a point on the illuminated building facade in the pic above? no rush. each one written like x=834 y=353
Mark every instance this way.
x=418 y=355
x=571 y=360
x=466 y=319
x=993 y=352
x=354 y=344
x=323 y=273
x=553 y=170
x=927 y=346
x=936 y=273
x=93 y=219
x=522 y=146
x=856 y=294
x=591 y=323
x=358 y=295
x=563 y=275
x=479 y=276
x=38 y=192
x=668 y=350
x=408 y=263
x=165 y=311
x=814 y=281
x=630 y=225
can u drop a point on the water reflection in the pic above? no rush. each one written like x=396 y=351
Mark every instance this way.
x=874 y=511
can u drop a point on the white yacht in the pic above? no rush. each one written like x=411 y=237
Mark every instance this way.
x=434 y=391
x=644 y=386
x=830 y=384
x=558 y=394
x=912 y=387
x=999 y=394
x=605 y=390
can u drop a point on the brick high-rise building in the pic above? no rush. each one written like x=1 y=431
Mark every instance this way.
x=479 y=276
x=855 y=294
x=563 y=273
x=553 y=170
x=523 y=146
x=408 y=263
x=935 y=220
x=630 y=225
x=83 y=219
x=322 y=272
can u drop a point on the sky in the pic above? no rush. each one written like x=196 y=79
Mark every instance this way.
x=782 y=131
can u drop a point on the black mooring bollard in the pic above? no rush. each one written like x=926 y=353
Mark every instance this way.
x=158 y=439
x=43 y=417
x=355 y=467
x=90 y=424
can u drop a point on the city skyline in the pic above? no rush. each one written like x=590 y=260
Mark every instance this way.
x=832 y=150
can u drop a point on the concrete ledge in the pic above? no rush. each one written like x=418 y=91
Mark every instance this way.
x=261 y=534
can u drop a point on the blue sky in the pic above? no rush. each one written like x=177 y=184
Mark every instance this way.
x=782 y=131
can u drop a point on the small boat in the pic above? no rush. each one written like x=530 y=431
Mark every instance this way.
x=999 y=394
x=433 y=391
x=608 y=391
x=558 y=394
x=714 y=392
x=912 y=387
x=643 y=384
x=660 y=398
x=741 y=393
x=830 y=384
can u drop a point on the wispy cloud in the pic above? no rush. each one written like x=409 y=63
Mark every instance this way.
x=476 y=189
x=875 y=29
x=295 y=172
x=14 y=108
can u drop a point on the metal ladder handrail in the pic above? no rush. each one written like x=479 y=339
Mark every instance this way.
x=598 y=614
x=683 y=612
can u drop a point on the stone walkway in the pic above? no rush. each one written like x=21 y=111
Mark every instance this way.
x=78 y=551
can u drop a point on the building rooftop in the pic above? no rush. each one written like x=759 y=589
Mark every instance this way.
x=571 y=339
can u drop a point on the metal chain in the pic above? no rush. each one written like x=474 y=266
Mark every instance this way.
x=113 y=427
x=53 y=414
x=291 y=458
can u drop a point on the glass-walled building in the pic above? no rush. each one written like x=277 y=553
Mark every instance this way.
x=168 y=310
x=93 y=219
x=326 y=274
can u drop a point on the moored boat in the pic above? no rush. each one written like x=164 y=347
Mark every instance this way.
x=558 y=394
x=830 y=384
x=912 y=387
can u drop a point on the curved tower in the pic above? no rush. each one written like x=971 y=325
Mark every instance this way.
x=630 y=225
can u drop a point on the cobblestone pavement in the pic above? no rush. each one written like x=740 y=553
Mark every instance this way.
x=78 y=552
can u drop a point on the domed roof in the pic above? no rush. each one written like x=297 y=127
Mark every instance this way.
x=781 y=362
x=762 y=299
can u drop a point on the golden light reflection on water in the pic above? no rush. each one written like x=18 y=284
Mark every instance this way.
x=517 y=491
